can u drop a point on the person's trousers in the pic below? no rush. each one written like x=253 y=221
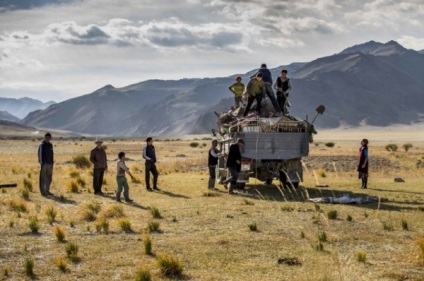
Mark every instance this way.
x=46 y=175
x=151 y=168
x=282 y=102
x=237 y=101
x=271 y=96
x=98 y=180
x=250 y=101
x=212 y=176
x=122 y=184
x=234 y=177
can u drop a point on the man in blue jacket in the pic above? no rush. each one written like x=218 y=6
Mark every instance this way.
x=45 y=158
x=150 y=155
x=267 y=78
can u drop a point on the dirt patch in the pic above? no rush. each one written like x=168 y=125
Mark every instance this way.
x=348 y=163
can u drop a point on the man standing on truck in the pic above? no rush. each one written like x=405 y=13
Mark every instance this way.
x=283 y=86
x=237 y=89
x=234 y=163
x=99 y=160
x=267 y=79
x=255 y=91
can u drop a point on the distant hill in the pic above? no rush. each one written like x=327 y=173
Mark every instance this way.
x=6 y=116
x=21 y=107
x=421 y=52
x=372 y=83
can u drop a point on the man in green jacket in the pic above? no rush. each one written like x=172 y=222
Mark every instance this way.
x=237 y=89
x=255 y=91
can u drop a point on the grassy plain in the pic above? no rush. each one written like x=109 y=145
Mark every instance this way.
x=212 y=233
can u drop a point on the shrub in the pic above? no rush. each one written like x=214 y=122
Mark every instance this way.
x=62 y=264
x=81 y=161
x=135 y=180
x=387 y=225
x=125 y=225
x=33 y=224
x=143 y=274
x=170 y=266
x=72 y=252
x=74 y=174
x=321 y=173
x=253 y=227
x=287 y=209
x=102 y=225
x=302 y=235
x=330 y=144
x=248 y=202
x=24 y=193
x=18 y=206
x=194 y=144
x=404 y=225
x=87 y=215
x=28 y=184
x=361 y=256
x=319 y=247
x=420 y=243
x=72 y=223
x=60 y=233
x=73 y=187
x=6 y=271
x=29 y=266
x=407 y=146
x=147 y=244
x=153 y=226
x=391 y=147
x=155 y=213
x=332 y=215
x=114 y=211
x=81 y=182
x=51 y=214
x=322 y=236
x=94 y=206
x=349 y=218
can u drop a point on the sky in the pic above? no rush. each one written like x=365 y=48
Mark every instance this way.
x=60 y=49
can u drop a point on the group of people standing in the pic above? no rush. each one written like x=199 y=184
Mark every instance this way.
x=261 y=85
x=98 y=157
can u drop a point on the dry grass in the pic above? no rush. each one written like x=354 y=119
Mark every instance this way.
x=216 y=226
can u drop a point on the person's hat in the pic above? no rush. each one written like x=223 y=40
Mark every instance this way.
x=240 y=141
x=98 y=140
x=238 y=78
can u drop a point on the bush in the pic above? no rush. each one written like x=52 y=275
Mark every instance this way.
x=72 y=252
x=253 y=227
x=60 y=233
x=33 y=224
x=387 y=225
x=330 y=144
x=113 y=211
x=332 y=215
x=18 y=206
x=125 y=225
x=24 y=193
x=62 y=264
x=81 y=161
x=319 y=247
x=28 y=184
x=153 y=226
x=29 y=266
x=170 y=266
x=361 y=257
x=405 y=225
x=51 y=214
x=72 y=187
x=102 y=225
x=147 y=244
x=349 y=218
x=74 y=174
x=321 y=173
x=155 y=213
x=407 y=146
x=81 y=182
x=143 y=274
x=420 y=243
x=194 y=144
x=391 y=147
x=322 y=236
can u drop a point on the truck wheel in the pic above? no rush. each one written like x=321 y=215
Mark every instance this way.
x=268 y=181
x=295 y=184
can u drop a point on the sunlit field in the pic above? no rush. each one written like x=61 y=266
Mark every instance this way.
x=186 y=232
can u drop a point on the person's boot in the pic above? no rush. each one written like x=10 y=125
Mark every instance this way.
x=211 y=184
x=118 y=197
x=231 y=189
x=365 y=182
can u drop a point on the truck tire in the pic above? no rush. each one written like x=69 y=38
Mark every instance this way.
x=241 y=185
x=268 y=181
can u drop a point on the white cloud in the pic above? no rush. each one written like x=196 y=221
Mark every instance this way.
x=412 y=42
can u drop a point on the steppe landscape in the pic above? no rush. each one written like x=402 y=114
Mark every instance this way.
x=263 y=233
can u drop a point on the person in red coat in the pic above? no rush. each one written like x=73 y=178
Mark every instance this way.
x=363 y=163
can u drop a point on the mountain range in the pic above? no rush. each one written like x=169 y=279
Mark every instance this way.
x=372 y=83
x=21 y=107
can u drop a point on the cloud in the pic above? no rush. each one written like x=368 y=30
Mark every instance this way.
x=412 y=42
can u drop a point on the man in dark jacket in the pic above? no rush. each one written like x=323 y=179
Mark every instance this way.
x=213 y=156
x=99 y=160
x=150 y=155
x=234 y=163
x=267 y=78
x=45 y=158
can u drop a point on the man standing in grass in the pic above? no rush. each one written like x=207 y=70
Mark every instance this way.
x=212 y=162
x=121 y=179
x=45 y=158
x=363 y=163
x=234 y=163
x=99 y=160
x=150 y=155
x=237 y=89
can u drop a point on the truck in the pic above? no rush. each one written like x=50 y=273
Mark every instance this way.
x=274 y=147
